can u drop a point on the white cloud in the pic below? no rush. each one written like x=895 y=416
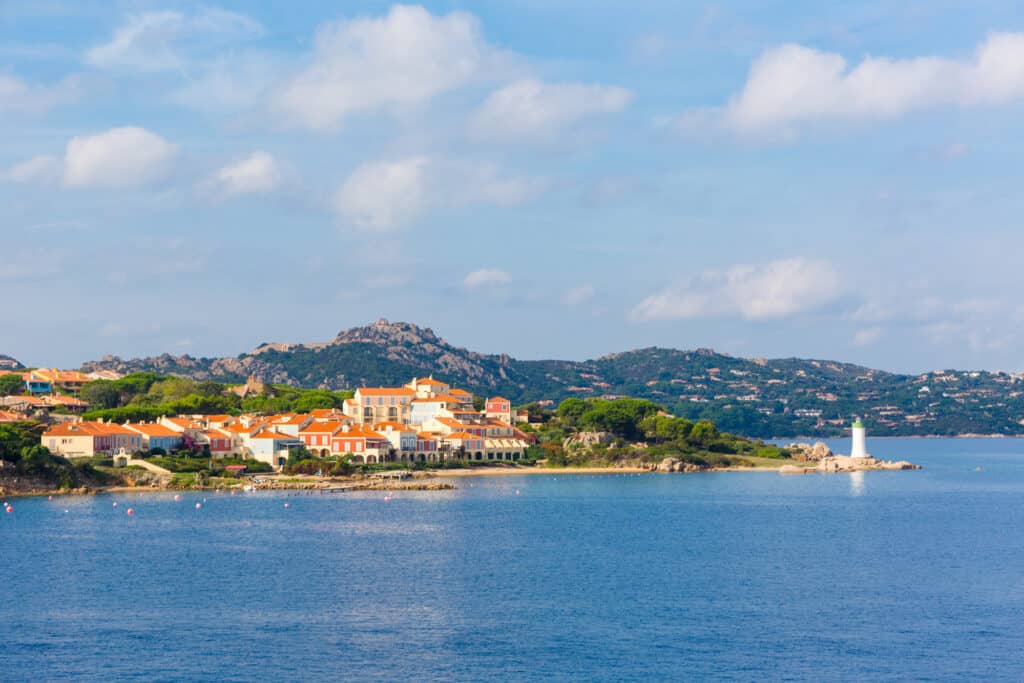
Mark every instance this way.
x=778 y=289
x=531 y=108
x=383 y=195
x=867 y=336
x=166 y=40
x=486 y=277
x=793 y=84
x=578 y=295
x=231 y=82
x=387 y=195
x=257 y=173
x=39 y=169
x=402 y=59
x=20 y=97
x=119 y=157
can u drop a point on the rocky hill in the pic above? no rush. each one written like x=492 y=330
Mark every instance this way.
x=8 y=363
x=755 y=397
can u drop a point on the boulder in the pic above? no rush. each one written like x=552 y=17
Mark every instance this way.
x=676 y=465
x=805 y=452
x=588 y=440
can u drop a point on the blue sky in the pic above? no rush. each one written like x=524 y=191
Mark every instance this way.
x=547 y=179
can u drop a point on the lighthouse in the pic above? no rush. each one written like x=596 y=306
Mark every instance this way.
x=859 y=436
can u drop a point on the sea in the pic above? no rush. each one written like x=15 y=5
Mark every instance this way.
x=736 y=576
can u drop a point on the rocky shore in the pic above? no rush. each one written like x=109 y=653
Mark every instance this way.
x=820 y=458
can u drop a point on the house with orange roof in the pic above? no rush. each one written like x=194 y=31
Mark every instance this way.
x=70 y=403
x=156 y=435
x=361 y=444
x=317 y=436
x=291 y=424
x=7 y=416
x=428 y=387
x=46 y=380
x=86 y=439
x=464 y=445
x=271 y=446
x=222 y=443
x=498 y=408
x=401 y=437
x=427 y=447
x=383 y=404
x=448 y=425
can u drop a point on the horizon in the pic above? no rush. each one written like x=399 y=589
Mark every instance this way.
x=547 y=182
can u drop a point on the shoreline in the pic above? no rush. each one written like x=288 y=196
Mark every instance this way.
x=421 y=481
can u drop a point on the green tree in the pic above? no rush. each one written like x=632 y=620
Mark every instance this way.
x=703 y=434
x=102 y=394
x=11 y=384
x=571 y=409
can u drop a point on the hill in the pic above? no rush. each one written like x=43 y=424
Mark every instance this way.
x=8 y=363
x=754 y=397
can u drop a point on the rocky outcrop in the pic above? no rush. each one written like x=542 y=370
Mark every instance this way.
x=8 y=363
x=805 y=452
x=586 y=440
x=677 y=465
x=844 y=463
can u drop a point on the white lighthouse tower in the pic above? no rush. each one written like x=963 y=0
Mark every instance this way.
x=859 y=438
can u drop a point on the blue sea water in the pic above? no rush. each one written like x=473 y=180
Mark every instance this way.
x=914 y=575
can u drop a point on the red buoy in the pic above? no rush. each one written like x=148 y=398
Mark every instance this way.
x=9 y=509
x=131 y=511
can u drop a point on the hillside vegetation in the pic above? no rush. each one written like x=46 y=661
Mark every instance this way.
x=754 y=397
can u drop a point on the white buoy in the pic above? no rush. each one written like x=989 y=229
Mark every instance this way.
x=115 y=503
x=177 y=497
x=199 y=506
x=286 y=505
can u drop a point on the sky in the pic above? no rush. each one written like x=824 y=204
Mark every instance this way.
x=547 y=179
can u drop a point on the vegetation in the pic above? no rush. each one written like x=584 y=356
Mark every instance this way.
x=640 y=431
x=23 y=456
x=754 y=397
x=11 y=385
x=147 y=396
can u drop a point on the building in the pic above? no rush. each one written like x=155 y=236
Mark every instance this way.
x=271 y=446
x=383 y=405
x=361 y=444
x=86 y=439
x=157 y=436
x=499 y=408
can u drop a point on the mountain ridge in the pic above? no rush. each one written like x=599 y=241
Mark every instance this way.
x=756 y=397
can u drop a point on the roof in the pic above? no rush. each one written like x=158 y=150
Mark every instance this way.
x=460 y=392
x=385 y=391
x=87 y=429
x=498 y=398
x=322 y=428
x=217 y=418
x=152 y=429
x=431 y=380
x=359 y=433
x=427 y=435
x=65 y=400
x=462 y=436
x=275 y=435
x=394 y=425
